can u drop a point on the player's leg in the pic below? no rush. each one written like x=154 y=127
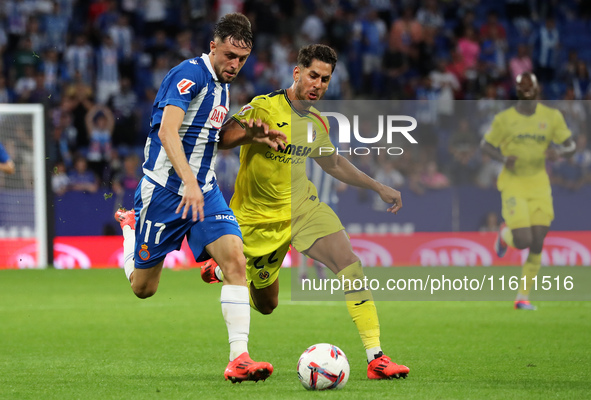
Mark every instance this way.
x=320 y=235
x=336 y=253
x=221 y=234
x=516 y=230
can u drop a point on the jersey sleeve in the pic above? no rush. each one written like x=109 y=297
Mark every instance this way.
x=259 y=107
x=496 y=133
x=181 y=85
x=560 y=131
x=4 y=157
x=322 y=146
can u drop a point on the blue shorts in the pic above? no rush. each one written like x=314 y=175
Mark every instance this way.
x=158 y=230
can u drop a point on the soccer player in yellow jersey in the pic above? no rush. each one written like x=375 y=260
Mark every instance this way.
x=276 y=204
x=520 y=137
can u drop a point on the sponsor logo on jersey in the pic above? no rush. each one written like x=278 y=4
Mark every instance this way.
x=184 y=86
x=217 y=116
x=452 y=251
x=245 y=109
x=293 y=150
x=144 y=254
x=225 y=217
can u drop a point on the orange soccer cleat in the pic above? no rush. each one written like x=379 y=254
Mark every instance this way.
x=125 y=218
x=383 y=368
x=242 y=368
x=208 y=272
x=524 y=305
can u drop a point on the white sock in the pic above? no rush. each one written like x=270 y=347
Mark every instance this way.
x=128 y=249
x=371 y=353
x=236 y=312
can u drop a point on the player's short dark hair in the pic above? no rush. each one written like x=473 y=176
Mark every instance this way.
x=236 y=27
x=320 y=52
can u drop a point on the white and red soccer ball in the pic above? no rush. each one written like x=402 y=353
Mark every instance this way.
x=323 y=366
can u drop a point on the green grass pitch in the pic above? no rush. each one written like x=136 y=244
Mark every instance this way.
x=83 y=335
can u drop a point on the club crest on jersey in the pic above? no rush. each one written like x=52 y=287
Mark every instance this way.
x=543 y=125
x=144 y=253
x=245 y=109
x=217 y=116
x=184 y=86
x=264 y=275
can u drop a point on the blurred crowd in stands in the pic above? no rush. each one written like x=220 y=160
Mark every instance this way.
x=96 y=65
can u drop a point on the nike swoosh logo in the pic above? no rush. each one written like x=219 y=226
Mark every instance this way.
x=281 y=125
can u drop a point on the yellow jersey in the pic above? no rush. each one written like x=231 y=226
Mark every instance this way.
x=527 y=137
x=272 y=186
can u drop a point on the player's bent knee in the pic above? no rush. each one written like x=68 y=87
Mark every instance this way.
x=267 y=306
x=522 y=242
x=144 y=291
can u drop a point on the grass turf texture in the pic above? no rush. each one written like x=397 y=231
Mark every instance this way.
x=83 y=335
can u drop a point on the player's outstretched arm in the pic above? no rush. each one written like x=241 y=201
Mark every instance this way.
x=340 y=168
x=172 y=118
x=248 y=131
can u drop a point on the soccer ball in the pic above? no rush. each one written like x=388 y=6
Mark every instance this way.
x=323 y=366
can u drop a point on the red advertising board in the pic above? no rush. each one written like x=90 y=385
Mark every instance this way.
x=426 y=249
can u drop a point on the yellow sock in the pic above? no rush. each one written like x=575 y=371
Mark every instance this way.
x=507 y=236
x=361 y=306
x=530 y=269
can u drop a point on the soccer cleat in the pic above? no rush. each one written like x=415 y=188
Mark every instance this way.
x=125 y=217
x=242 y=368
x=208 y=272
x=383 y=368
x=524 y=305
x=500 y=245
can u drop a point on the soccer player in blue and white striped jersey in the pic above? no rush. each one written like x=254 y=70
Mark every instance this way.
x=178 y=196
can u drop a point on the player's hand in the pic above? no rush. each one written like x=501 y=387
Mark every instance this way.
x=510 y=162
x=391 y=196
x=260 y=133
x=192 y=199
x=552 y=154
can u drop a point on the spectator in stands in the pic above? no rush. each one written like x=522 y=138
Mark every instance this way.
x=128 y=179
x=492 y=23
x=521 y=62
x=79 y=59
x=26 y=85
x=406 y=31
x=107 y=70
x=431 y=178
x=491 y=223
x=373 y=33
x=99 y=124
x=394 y=66
x=548 y=47
x=60 y=181
x=430 y=16
x=6 y=94
x=568 y=69
x=81 y=178
x=463 y=145
x=581 y=81
x=469 y=48
x=389 y=176
x=124 y=104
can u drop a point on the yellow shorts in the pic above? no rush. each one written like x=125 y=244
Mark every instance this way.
x=265 y=245
x=522 y=212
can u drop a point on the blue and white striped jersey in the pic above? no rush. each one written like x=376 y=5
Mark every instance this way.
x=193 y=86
